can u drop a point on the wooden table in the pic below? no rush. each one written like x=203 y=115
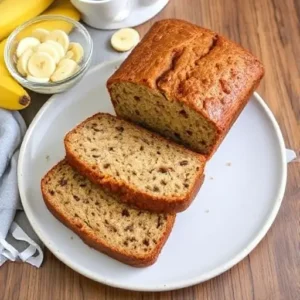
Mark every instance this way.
x=270 y=29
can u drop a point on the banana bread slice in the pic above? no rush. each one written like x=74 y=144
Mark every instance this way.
x=131 y=236
x=143 y=168
x=186 y=83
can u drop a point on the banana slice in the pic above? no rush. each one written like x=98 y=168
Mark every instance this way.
x=41 y=65
x=60 y=37
x=23 y=61
x=65 y=69
x=50 y=49
x=75 y=52
x=37 y=80
x=58 y=47
x=69 y=54
x=41 y=34
x=125 y=39
x=24 y=44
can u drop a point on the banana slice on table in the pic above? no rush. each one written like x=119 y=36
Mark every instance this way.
x=75 y=52
x=60 y=37
x=41 y=65
x=50 y=49
x=125 y=39
x=23 y=62
x=26 y=43
x=41 y=34
x=58 y=47
x=65 y=69
x=38 y=80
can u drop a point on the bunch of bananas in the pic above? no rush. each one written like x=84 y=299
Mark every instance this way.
x=12 y=95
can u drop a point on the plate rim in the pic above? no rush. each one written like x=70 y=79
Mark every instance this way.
x=181 y=283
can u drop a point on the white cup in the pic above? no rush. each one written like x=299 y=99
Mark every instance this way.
x=100 y=13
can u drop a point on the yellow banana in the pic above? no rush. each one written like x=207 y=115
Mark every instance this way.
x=2 y=63
x=16 y=12
x=3 y=69
x=12 y=95
x=59 y=7
x=65 y=8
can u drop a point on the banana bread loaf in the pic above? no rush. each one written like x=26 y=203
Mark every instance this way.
x=186 y=83
x=131 y=236
x=143 y=168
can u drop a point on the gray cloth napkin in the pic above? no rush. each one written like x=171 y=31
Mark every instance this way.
x=15 y=243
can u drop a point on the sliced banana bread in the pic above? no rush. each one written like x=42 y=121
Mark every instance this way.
x=185 y=82
x=131 y=236
x=143 y=168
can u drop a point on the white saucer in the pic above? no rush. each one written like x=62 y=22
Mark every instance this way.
x=140 y=14
x=239 y=200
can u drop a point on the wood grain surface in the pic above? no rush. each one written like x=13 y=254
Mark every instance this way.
x=271 y=30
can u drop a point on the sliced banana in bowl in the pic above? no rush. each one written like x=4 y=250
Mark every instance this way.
x=65 y=69
x=60 y=37
x=40 y=34
x=58 y=47
x=23 y=61
x=75 y=52
x=50 y=49
x=41 y=65
x=48 y=56
x=26 y=43
x=34 y=47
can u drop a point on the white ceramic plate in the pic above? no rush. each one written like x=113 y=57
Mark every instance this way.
x=244 y=186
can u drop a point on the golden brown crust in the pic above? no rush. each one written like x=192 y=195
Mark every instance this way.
x=209 y=73
x=235 y=115
x=80 y=229
x=127 y=193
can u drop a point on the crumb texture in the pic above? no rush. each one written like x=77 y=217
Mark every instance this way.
x=185 y=82
x=123 y=229
x=135 y=157
x=170 y=118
